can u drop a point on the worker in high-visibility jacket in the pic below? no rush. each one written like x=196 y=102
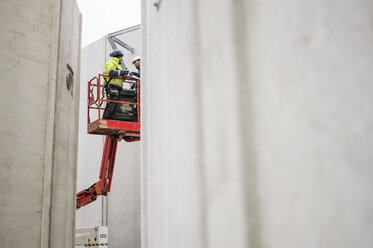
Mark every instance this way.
x=113 y=84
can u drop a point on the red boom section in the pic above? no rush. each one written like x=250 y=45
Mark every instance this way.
x=102 y=187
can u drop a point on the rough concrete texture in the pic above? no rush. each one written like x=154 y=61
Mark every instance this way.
x=257 y=124
x=40 y=119
x=120 y=210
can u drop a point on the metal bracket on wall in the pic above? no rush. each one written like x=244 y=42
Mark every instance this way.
x=113 y=40
x=158 y=4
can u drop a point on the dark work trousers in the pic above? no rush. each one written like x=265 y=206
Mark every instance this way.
x=111 y=106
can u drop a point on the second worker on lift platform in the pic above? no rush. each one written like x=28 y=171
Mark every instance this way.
x=136 y=63
x=113 y=85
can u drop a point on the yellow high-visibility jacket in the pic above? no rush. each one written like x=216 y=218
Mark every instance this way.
x=114 y=65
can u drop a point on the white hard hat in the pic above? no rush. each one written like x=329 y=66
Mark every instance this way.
x=136 y=58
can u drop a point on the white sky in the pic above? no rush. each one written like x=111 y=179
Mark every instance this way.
x=101 y=17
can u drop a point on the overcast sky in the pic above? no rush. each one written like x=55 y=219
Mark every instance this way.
x=101 y=17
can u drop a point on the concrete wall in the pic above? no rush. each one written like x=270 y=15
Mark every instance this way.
x=257 y=124
x=39 y=41
x=120 y=210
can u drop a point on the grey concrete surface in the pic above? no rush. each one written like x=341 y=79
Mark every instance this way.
x=257 y=124
x=39 y=122
x=120 y=210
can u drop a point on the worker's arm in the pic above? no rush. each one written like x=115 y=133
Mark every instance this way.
x=117 y=73
x=111 y=70
x=135 y=74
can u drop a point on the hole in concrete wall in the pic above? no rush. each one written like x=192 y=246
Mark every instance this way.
x=70 y=79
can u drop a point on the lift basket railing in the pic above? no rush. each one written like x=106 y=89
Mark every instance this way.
x=97 y=98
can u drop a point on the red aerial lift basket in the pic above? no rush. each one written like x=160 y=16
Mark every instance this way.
x=129 y=131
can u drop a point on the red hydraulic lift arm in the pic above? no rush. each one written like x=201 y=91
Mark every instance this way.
x=102 y=187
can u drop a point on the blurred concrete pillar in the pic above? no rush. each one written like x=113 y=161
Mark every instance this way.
x=257 y=123
x=40 y=47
